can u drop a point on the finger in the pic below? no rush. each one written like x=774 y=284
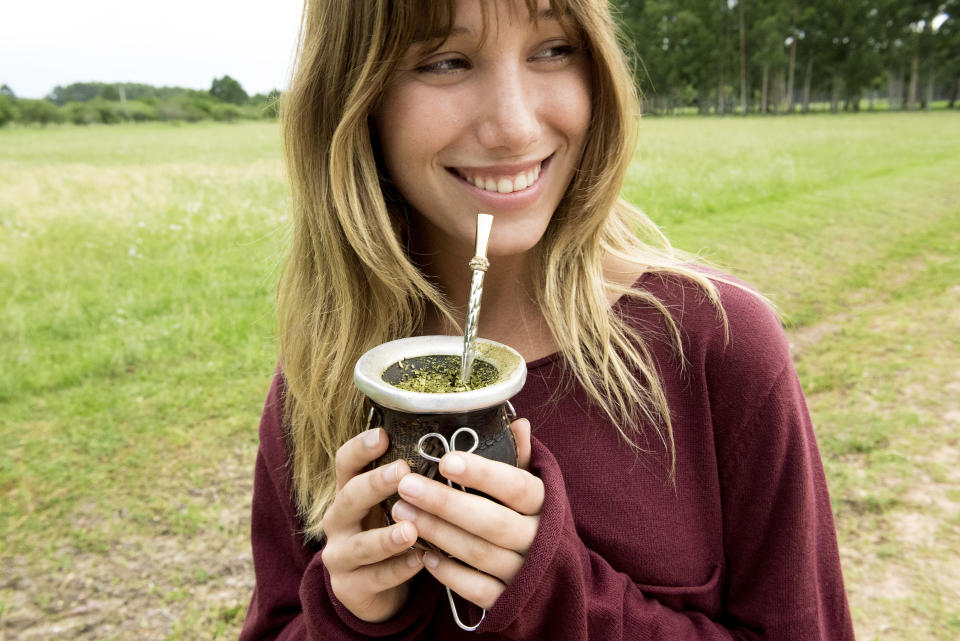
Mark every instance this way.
x=356 y=454
x=521 y=434
x=478 y=515
x=476 y=587
x=344 y=554
x=383 y=575
x=476 y=552
x=516 y=488
x=361 y=493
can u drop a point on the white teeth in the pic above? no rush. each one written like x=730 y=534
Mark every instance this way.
x=505 y=185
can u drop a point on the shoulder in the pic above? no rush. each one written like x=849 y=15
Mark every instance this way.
x=273 y=435
x=737 y=334
x=736 y=356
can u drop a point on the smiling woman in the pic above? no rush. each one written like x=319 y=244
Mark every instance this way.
x=489 y=120
x=668 y=484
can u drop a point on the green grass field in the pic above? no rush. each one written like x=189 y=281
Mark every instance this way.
x=137 y=272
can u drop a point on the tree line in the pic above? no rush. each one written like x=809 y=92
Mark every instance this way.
x=707 y=56
x=85 y=103
x=763 y=56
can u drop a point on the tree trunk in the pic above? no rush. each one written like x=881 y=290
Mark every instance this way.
x=894 y=89
x=956 y=92
x=743 y=61
x=835 y=95
x=782 y=90
x=790 y=73
x=807 y=79
x=763 y=87
x=914 y=72
x=929 y=92
x=720 y=96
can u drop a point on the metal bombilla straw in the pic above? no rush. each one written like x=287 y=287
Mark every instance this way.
x=479 y=264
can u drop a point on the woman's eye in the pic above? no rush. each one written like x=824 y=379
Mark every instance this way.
x=556 y=52
x=446 y=65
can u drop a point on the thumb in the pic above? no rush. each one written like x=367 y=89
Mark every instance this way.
x=521 y=433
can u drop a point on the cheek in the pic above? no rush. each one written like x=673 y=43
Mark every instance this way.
x=578 y=108
x=413 y=126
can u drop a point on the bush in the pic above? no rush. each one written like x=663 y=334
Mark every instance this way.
x=80 y=113
x=41 y=111
x=226 y=112
x=8 y=109
x=141 y=111
x=109 y=112
x=180 y=109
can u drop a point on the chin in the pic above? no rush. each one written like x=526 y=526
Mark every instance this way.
x=510 y=242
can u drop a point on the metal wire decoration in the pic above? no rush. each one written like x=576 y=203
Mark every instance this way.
x=479 y=264
x=450 y=446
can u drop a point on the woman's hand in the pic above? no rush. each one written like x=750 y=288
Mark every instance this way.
x=488 y=541
x=370 y=565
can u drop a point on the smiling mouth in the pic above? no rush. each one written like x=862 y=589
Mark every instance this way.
x=501 y=183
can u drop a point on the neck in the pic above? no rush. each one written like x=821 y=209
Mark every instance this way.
x=508 y=312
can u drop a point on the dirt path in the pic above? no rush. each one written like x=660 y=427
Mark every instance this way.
x=145 y=588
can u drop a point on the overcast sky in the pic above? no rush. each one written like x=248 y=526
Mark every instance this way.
x=188 y=43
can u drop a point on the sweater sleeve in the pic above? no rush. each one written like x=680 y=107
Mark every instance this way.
x=292 y=598
x=781 y=578
x=566 y=591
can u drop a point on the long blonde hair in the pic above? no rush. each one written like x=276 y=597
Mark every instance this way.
x=349 y=284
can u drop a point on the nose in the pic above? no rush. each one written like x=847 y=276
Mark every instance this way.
x=508 y=115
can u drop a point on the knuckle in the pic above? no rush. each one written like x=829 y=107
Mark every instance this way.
x=529 y=490
x=345 y=499
x=487 y=593
x=477 y=550
x=522 y=488
x=439 y=502
x=329 y=556
x=497 y=524
x=341 y=459
x=385 y=575
x=387 y=546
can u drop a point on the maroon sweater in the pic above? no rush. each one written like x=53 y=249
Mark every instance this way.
x=742 y=546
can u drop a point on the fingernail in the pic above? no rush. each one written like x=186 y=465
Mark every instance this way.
x=391 y=472
x=403 y=512
x=371 y=438
x=411 y=485
x=431 y=559
x=400 y=534
x=454 y=464
x=413 y=559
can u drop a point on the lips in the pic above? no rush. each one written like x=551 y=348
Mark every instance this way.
x=501 y=180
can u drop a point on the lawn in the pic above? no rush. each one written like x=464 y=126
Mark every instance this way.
x=137 y=270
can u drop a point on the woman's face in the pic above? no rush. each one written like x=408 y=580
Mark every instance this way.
x=490 y=125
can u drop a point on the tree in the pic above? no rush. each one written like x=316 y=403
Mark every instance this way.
x=109 y=92
x=229 y=90
x=76 y=92
x=8 y=108
x=947 y=45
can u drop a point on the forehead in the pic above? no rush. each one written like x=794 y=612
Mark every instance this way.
x=456 y=17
